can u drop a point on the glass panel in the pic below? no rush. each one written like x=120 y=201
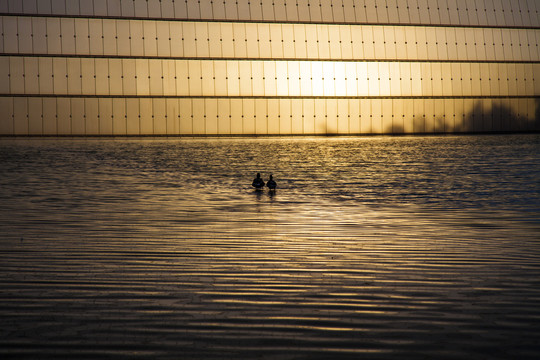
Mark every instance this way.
x=78 y=121
x=58 y=7
x=91 y=116
x=218 y=10
x=489 y=48
x=63 y=109
x=376 y=116
x=406 y=81
x=119 y=116
x=326 y=11
x=282 y=82
x=421 y=42
x=524 y=45
x=426 y=79
x=45 y=76
x=308 y=86
x=360 y=12
x=320 y=116
x=49 y=116
x=194 y=77
x=390 y=42
x=44 y=6
x=481 y=12
x=123 y=38
x=436 y=79
x=416 y=77
x=188 y=37
x=199 y=121
x=109 y=37
x=264 y=41
x=35 y=116
x=351 y=84
x=68 y=35
x=114 y=8
x=384 y=79
x=434 y=12
x=72 y=8
x=252 y=40
x=378 y=37
x=331 y=116
x=141 y=8
x=167 y=8
x=453 y=12
x=371 y=11
x=292 y=10
x=24 y=34
x=533 y=12
x=285 y=116
x=193 y=9
x=267 y=10
x=163 y=38
x=60 y=77
x=387 y=116
x=257 y=75
x=448 y=79
x=335 y=41
x=136 y=39
x=424 y=13
x=328 y=78
x=297 y=119
x=96 y=36
x=299 y=41
x=419 y=116
x=466 y=79
x=498 y=44
x=368 y=43
x=414 y=13
x=348 y=10
x=429 y=111
x=255 y=10
x=495 y=80
x=146 y=120
x=338 y=11
x=343 y=116
x=248 y=115
x=243 y=9
x=528 y=78
x=403 y=12
x=365 y=116
x=150 y=38
x=456 y=79
x=357 y=42
x=201 y=39
x=393 y=15
x=410 y=42
x=507 y=47
x=324 y=42
x=452 y=114
x=293 y=78
x=476 y=89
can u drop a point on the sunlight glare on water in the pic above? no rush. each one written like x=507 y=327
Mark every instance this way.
x=371 y=247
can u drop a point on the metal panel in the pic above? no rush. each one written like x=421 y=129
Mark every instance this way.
x=447 y=80
x=289 y=80
x=437 y=80
x=160 y=116
x=410 y=42
x=534 y=10
x=155 y=8
x=506 y=42
x=122 y=41
x=267 y=10
x=393 y=14
x=421 y=42
x=240 y=40
x=394 y=77
x=78 y=119
x=330 y=116
x=498 y=44
x=223 y=116
x=10 y=31
x=373 y=78
x=114 y=8
x=406 y=80
x=91 y=116
x=324 y=42
x=273 y=116
x=104 y=115
x=163 y=38
x=99 y=7
x=489 y=47
x=119 y=116
x=261 y=119
x=43 y=7
x=288 y=41
x=129 y=81
x=371 y=11
x=365 y=116
x=403 y=12
x=328 y=78
x=524 y=45
x=251 y=33
x=231 y=10
x=88 y=79
x=82 y=37
x=453 y=12
x=95 y=36
x=112 y=70
x=454 y=114
x=35 y=116
x=146 y=116
x=172 y=116
x=68 y=35
x=414 y=13
x=257 y=75
x=440 y=38
x=376 y=116
x=194 y=77
x=169 y=77
x=378 y=42
x=284 y=116
x=495 y=80
x=73 y=8
x=29 y=75
x=86 y=8
x=485 y=79
x=74 y=76
x=45 y=76
x=236 y=116
x=351 y=82
x=429 y=115
x=326 y=11
x=282 y=82
x=419 y=116
x=49 y=116
x=515 y=44
x=466 y=79
x=24 y=34
x=508 y=13
x=528 y=78
x=360 y=13
x=255 y=10
x=20 y=116
x=300 y=45
x=143 y=77
x=395 y=123
x=339 y=78
x=264 y=41
x=384 y=79
x=110 y=37
x=297 y=117
x=150 y=38
x=269 y=78
x=245 y=79
x=348 y=10
x=357 y=42
x=210 y=116
x=416 y=73
x=343 y=116
x=226 y=39
x=133 y=117
x=186 y=116
x=362 y=79
x=476 y=89
x=305 y=77
x=156 y=76
x=214 y=39
x=136 y=37
x=193 y=10
x=60 y=76
x=248 y=116
x=141 y=8
x=427 y=89
x=335 y=41
x=276 y=41
x=338 y=11
x=320 y=116
x=453 y=45
x=63 y=113
x=389 y=42
x=176 y=35
x=58 y=7
x=188 y=38
x=481 y=12
x=308 y=114
x=233 y=78
x=243 y=9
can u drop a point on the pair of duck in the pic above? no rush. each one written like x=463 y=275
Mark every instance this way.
x=258 y=183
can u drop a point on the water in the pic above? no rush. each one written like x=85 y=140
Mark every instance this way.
x=375 y=248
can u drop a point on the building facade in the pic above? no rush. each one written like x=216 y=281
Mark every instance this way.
x=265 y=67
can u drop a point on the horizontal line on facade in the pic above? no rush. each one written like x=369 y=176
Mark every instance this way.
x=265 y=59
x=267 y=21
x=259 y=97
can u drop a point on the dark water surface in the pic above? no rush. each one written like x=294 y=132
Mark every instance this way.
x=377 y=247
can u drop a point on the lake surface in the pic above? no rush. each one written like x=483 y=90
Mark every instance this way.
x=371 y=247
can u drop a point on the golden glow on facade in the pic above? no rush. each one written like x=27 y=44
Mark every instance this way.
x=121 y=67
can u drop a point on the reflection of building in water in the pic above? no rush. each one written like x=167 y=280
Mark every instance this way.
x=268 y=67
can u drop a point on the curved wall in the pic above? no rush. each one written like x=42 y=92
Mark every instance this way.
x=165 y=67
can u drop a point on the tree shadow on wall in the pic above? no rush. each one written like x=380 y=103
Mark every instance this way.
x=484 y=117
